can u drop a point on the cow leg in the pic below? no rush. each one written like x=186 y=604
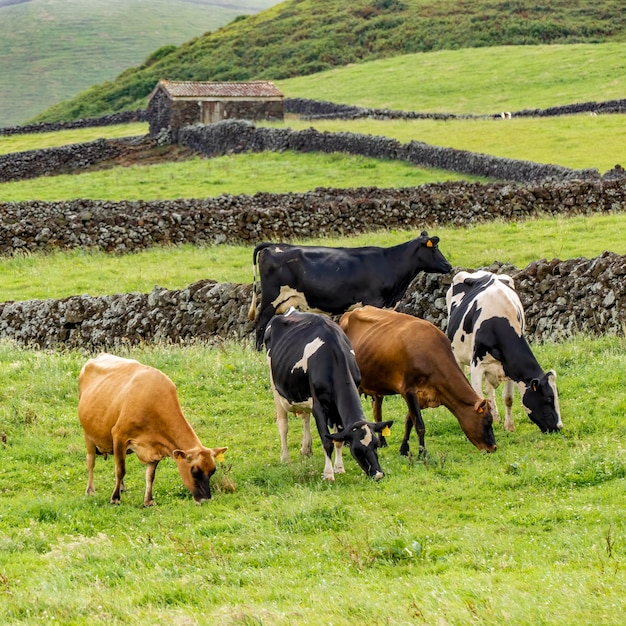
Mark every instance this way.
x=414 y=418
x=91 y=462
x=327 y=443
x=490 y=393
x=306 y=449
x=507 y=397
x=476 y=375
x=119 y=453
x=283 y=428
x=150 y=472
x=377 y=410
x=339 y=468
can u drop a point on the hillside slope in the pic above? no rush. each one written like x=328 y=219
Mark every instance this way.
x=50 y=51
x=300 y=37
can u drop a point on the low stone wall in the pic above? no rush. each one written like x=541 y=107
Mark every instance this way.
x=34 y=163
x=235 y=136
x=126 y=117
x=561 y=298
x=320 y=109
x=203 y=311
x=240 y=136
x=134 y=225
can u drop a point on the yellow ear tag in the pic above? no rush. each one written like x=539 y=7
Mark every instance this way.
x=219 y=458
x=429 y=244
x=386 y=431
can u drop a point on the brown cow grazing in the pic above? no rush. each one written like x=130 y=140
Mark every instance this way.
x=124 y=407
x=401 y=354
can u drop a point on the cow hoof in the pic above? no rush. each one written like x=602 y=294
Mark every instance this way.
x=116 y=502
x=149 y=503
x=329 y=478
x=404 y=449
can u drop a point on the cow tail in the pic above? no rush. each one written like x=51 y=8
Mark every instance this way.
x=255 y=254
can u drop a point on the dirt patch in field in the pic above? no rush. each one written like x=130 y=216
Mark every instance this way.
x=144 y=151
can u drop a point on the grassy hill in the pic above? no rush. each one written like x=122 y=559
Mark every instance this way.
x=478 y=80
x=301 y=37
x=49 y=51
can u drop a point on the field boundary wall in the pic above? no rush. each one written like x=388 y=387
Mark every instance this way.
x=561 y=299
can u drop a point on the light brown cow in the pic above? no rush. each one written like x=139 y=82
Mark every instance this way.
x=124 y=407
x=401 y=354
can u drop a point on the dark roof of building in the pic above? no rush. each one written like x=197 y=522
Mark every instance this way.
x=255 y=89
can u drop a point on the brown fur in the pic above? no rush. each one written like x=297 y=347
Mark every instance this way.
x=125 y=406
x=401 y=354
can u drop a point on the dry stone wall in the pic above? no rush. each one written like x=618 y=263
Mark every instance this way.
x=233 y=136
x=561 y=298
x=133 y=225
x=320 y=109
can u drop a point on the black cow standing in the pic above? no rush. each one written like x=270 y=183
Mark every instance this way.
x=313 y=370
x=335 y=280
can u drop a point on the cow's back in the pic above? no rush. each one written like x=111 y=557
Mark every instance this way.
x=113 y=388
x=394 y=348
x=474 y=298
x=308 y=351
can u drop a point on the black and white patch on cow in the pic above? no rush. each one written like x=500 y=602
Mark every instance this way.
x=313 y=370
x=334 y=280
x=486 y=325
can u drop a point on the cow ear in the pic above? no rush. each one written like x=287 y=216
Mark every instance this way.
x=178 y=454
x=218 y=454
x=381 y=426
x=534 y=384
x=481 y=406
x=551 y=375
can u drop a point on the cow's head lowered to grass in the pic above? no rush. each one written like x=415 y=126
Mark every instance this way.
x=313 y=370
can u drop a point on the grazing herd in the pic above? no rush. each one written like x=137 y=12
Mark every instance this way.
x=318 y=366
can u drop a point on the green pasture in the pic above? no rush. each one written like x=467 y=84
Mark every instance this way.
x=479 y=81
x=64 y=273
x=532 y=534
x=574 y=141
x=54 y=139
x=245 y=173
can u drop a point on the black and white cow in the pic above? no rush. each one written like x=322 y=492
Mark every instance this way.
x=313 y=370
x=335 y=280
x=486 y=327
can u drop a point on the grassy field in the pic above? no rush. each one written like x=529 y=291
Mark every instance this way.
x=244 y=173
x=474 y=81
x=62 y=274
x=532 y=534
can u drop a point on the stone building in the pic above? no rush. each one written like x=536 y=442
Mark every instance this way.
x=173 y=105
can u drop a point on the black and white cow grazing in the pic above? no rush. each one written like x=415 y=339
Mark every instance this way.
x=313 y=370
x=486 y=327
x=335 y=280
